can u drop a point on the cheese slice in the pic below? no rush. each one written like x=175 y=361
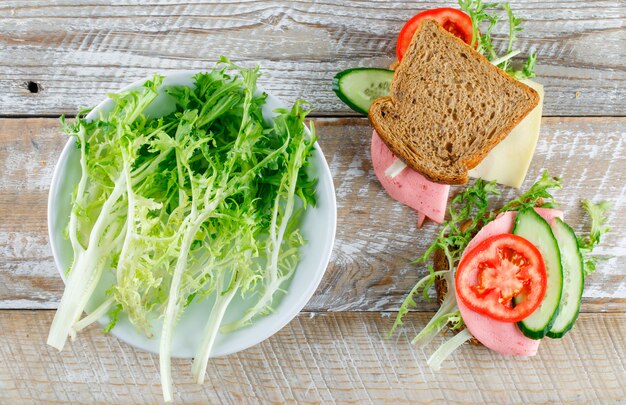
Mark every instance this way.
x=508 y=161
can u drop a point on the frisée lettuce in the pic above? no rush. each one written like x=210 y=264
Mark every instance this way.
x=202 y=202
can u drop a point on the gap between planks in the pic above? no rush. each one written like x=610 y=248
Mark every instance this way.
x=588 y=306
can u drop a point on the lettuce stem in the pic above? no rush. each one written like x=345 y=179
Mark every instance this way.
x=173 y=301
x=98 y=313
x=84 y=275
x=446 y=349
x=211 y=329
x=80 y=193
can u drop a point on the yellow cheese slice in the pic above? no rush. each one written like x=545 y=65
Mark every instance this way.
x=508 y=161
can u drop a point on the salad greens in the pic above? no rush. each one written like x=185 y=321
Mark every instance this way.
x=484 y=19
x=202 y=202
x=597 y=213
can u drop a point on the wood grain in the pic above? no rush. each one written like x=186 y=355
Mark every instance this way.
x=329 y=358
x=74 y=52
x=376 y=237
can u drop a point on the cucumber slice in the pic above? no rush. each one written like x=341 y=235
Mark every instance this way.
x=359 y=87
x=573 y=279
x=535 y=229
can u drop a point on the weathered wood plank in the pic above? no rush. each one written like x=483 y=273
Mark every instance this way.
x=376 y=237
x=329 y=358
x=77 y=51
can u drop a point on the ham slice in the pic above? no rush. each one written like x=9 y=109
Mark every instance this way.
x=420 y=219
x=549 y=214
x=409 y=187
x=502 y=337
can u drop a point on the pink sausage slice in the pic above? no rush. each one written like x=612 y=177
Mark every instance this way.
x=420 y=219
x=502 y=337
x=504 y=224
x=549 y=214
x=409 y=187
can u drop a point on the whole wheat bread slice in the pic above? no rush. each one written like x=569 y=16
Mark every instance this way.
x=448 y=106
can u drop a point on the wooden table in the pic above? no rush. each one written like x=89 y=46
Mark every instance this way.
x=57 y=56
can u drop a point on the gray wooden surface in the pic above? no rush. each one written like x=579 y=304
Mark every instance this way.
x=75 y=52
x=338 y=358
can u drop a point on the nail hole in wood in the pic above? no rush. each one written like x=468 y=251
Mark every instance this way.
x=33 y=87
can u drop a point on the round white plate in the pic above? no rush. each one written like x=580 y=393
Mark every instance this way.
x=318 y=228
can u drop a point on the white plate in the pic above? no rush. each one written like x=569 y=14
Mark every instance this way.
x=318 y=228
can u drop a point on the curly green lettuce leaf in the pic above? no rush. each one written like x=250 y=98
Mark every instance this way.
x=599 y=227
x=538 y=192
x=97 y=224
x=409 y=302
x=484 y=18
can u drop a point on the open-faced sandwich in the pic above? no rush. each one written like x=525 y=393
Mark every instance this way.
x=509 y=277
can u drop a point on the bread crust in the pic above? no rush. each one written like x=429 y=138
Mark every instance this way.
x=466 y=162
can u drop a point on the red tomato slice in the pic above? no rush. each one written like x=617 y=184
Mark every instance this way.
x=453 y=20
x=496 y=270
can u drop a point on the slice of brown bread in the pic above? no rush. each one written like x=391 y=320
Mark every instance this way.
x=448 y=106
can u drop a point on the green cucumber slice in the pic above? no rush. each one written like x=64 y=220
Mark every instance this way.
x=573 y=279
x=530 y=225
x=359 y=87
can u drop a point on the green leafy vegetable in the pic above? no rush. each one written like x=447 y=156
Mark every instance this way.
x=528 y=70
x=514 y=28
x=409 y=302
x=478 y=12
x=537 y=193
x=203 y=202
x=597 y=213
x=114 y=314
x=484 y=19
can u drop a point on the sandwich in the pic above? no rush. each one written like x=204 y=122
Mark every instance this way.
x=508 y=278
x=505 y=279
x=448 y=106
x=447 y=112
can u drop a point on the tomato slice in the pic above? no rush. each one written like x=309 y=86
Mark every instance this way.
x=453 y=20
x=498 y=269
